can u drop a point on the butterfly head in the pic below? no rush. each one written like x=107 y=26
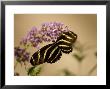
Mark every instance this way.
x=32 y=61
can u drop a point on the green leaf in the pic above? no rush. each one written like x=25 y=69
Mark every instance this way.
x=34 y=71
x=31 y=71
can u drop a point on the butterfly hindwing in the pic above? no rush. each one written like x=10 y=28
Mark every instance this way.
x=66 y=49
x=55 y=54
x=65 y=41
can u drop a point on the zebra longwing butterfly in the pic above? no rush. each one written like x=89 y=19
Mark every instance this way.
x=53 y=52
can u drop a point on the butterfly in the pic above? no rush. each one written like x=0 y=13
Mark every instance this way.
x=53 y=52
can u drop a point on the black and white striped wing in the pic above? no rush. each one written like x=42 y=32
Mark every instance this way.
x=65 y=41
x=49 y=53
x=39 y=56
x=53 y=54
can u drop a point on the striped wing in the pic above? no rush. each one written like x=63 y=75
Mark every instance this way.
x=49 y=53
x=65 y=41
x=39 y=56
x=53 y=54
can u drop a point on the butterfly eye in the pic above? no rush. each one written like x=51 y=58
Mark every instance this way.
x=32 y=61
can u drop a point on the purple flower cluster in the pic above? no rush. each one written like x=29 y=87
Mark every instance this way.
x=21 y=55
x=48 y=32
x=52 y=30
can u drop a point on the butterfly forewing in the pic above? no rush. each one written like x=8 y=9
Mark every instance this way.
x=39 y=56
x=49 y=53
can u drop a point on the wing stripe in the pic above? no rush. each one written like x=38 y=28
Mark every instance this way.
x=53 y=51
x=62 y=40
x=46 y=54
x=49 y=51
x=38 y=57
x=67 y=36
x=58 y=54
x=63 y=46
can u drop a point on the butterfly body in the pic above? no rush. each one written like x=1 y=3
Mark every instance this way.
x=53 y=52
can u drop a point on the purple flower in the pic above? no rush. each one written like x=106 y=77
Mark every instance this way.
x=38 y=40
x=21 y=55
x=18 y=51
x=46 y=24
x=23 y=41
x=35 y=41
x=25 y=56
x=66 y=29
x=52 y=30
x=32 y=33
x=46 y=39
x=48 y=32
